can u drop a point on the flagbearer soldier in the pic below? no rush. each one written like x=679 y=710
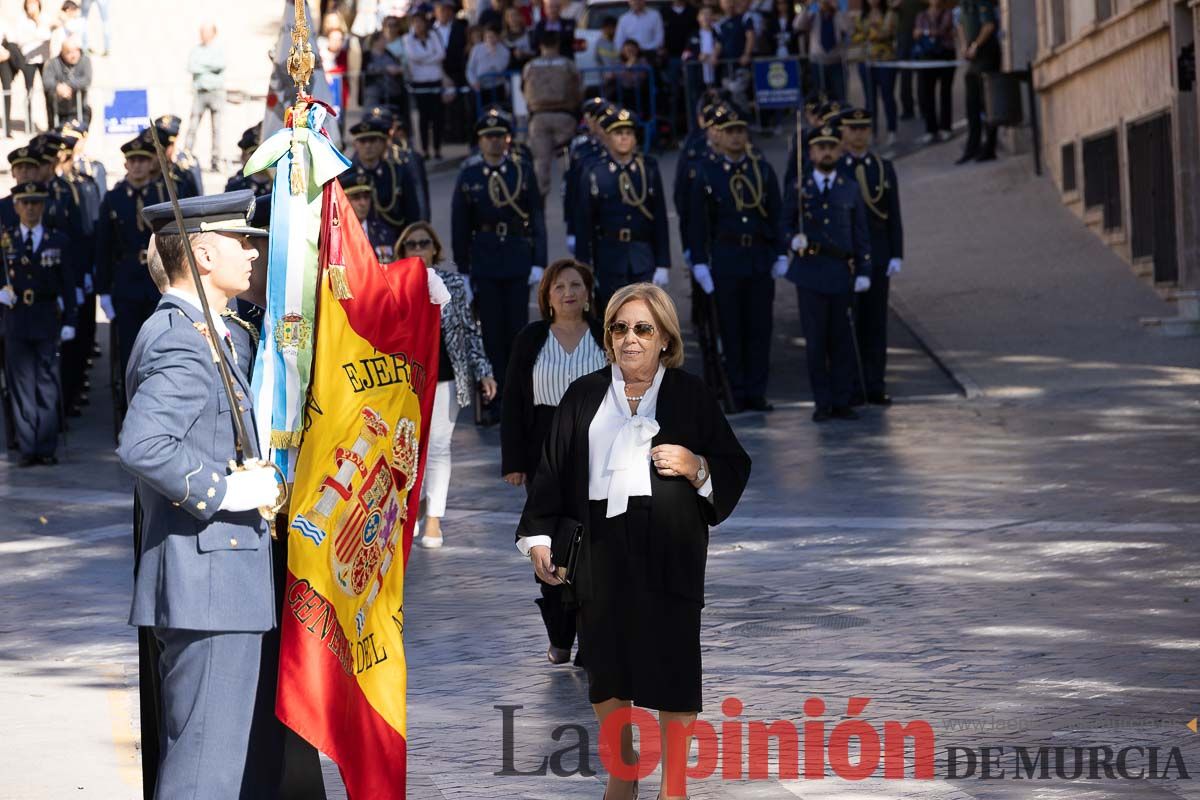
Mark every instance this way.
x=126 y=291
x=260 y=182
x=499 y=236
x=621 y=213
x=204 y=578
x=832 y=261
x=357 y=185
x=397 y=193
x=735 y=240
x=875 y=177
x=38 y=281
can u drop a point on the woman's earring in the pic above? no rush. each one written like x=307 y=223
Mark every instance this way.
x=664 y=349
x=587 y=306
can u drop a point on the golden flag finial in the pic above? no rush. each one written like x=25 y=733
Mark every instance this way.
x=301 y=60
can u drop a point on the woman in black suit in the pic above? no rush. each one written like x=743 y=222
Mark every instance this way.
x=547 y=356
x=641 y=456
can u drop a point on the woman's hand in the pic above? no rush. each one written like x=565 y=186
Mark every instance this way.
x=673 y=460
x=488 y=387
x=515 y=479
x=543 y=566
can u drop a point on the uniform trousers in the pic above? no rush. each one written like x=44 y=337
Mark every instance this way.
x=31 y=366
x=642 y=643
x=548 y=130
x=744 y=312
x=436 y=485
x=828 y=347
x=131 y=313
x=608 y=283
x=215 y=717
x=76 y=352
x=871 y=320
x=503 y=308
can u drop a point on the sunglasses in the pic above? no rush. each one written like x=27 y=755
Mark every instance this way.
x=418 y=244
x=642 y=330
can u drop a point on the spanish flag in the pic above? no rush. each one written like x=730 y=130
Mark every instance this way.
x=342 y=676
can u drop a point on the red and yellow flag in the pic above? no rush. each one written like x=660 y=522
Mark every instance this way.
x=342 y=675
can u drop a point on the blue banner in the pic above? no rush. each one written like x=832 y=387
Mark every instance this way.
x=777 y=83
x=128 y=113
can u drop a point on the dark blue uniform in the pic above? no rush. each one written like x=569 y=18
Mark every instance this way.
x=499 y=234
x=396 y=192
x=839 y=250
x=238 y=181
x=687 y=168
x=584 y=149
x=122 y=237
x=382 y=237
x=412 y=165
x=621 y=223
x=876 y=179
x=735 y=230
x=67 y=201
x=41 y=275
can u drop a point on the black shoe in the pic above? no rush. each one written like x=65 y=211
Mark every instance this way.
x=821 y=415
x=879 y=399
x=49 y=461
x=28 y=461
x=758 y=404
x=858 y=400
x=558 y=655
x=845 y=412
x=986 y=157
x=967 y=156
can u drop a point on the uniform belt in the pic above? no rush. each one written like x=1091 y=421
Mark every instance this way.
x=741 y=239
x=29 y=297
x=502 y=229
x=820 y=249
x=622 y=235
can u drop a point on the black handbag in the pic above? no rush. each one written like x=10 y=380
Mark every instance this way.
x=568 y=541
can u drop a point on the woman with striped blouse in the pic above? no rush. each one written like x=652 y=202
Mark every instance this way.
x=565 y=344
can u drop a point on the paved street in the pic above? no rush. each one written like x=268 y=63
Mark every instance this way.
x=1019 y=567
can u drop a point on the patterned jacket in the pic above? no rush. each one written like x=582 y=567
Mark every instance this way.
x=461 y=332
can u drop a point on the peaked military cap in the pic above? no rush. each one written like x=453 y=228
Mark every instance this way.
x=618 y=118
x=229 y=212
x=250 y=137
x=593 y=107
x=139 y=145
x=855 y=118
x=493 y=122
x=381 y=113
x=261 y=218
x=355 y=181
x=30 y=190
x=168 y=124
x=371 y=125
x=828 y=133
x=815 y=101
x=51 y=144
x=25 y=155
x=72 y=130
x=727 y=115
x=829 y=111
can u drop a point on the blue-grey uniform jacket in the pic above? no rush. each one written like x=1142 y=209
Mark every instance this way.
x=839 y=247
x=199 y=568
x=621 y=233
x=122 y=237
x=497 y=224
x=42 y=280
x=734 y=222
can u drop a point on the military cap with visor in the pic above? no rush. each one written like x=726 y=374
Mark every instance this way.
x=228 y=212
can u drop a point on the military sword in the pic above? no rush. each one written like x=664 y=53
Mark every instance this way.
x=241 y=437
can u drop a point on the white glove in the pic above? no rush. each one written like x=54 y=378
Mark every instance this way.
x=88 y=286
x=7 y=297
x=799 y=242
x=78 y=296
x=571 y=245
x=894 y=267
x=68 y=333
x=438 y=293
x=535 y=275
x=862 y=283
x=250 y=489
x=107 y=307
x=780 y=267
x=703 y=277
x=662 y=277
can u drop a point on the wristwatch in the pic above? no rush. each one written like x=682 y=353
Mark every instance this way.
x=702 y=473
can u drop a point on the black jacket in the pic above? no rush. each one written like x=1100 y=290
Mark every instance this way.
x=677 y=551
x=520 y=437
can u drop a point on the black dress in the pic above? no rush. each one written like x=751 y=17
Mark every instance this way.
x=640 y=584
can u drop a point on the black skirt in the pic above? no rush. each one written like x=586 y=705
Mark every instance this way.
x=642 y=644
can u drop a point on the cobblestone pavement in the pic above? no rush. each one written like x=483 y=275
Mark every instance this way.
x=1016 y=572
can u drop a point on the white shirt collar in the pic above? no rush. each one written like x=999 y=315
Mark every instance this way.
x=38 y=233
x=822 y=179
